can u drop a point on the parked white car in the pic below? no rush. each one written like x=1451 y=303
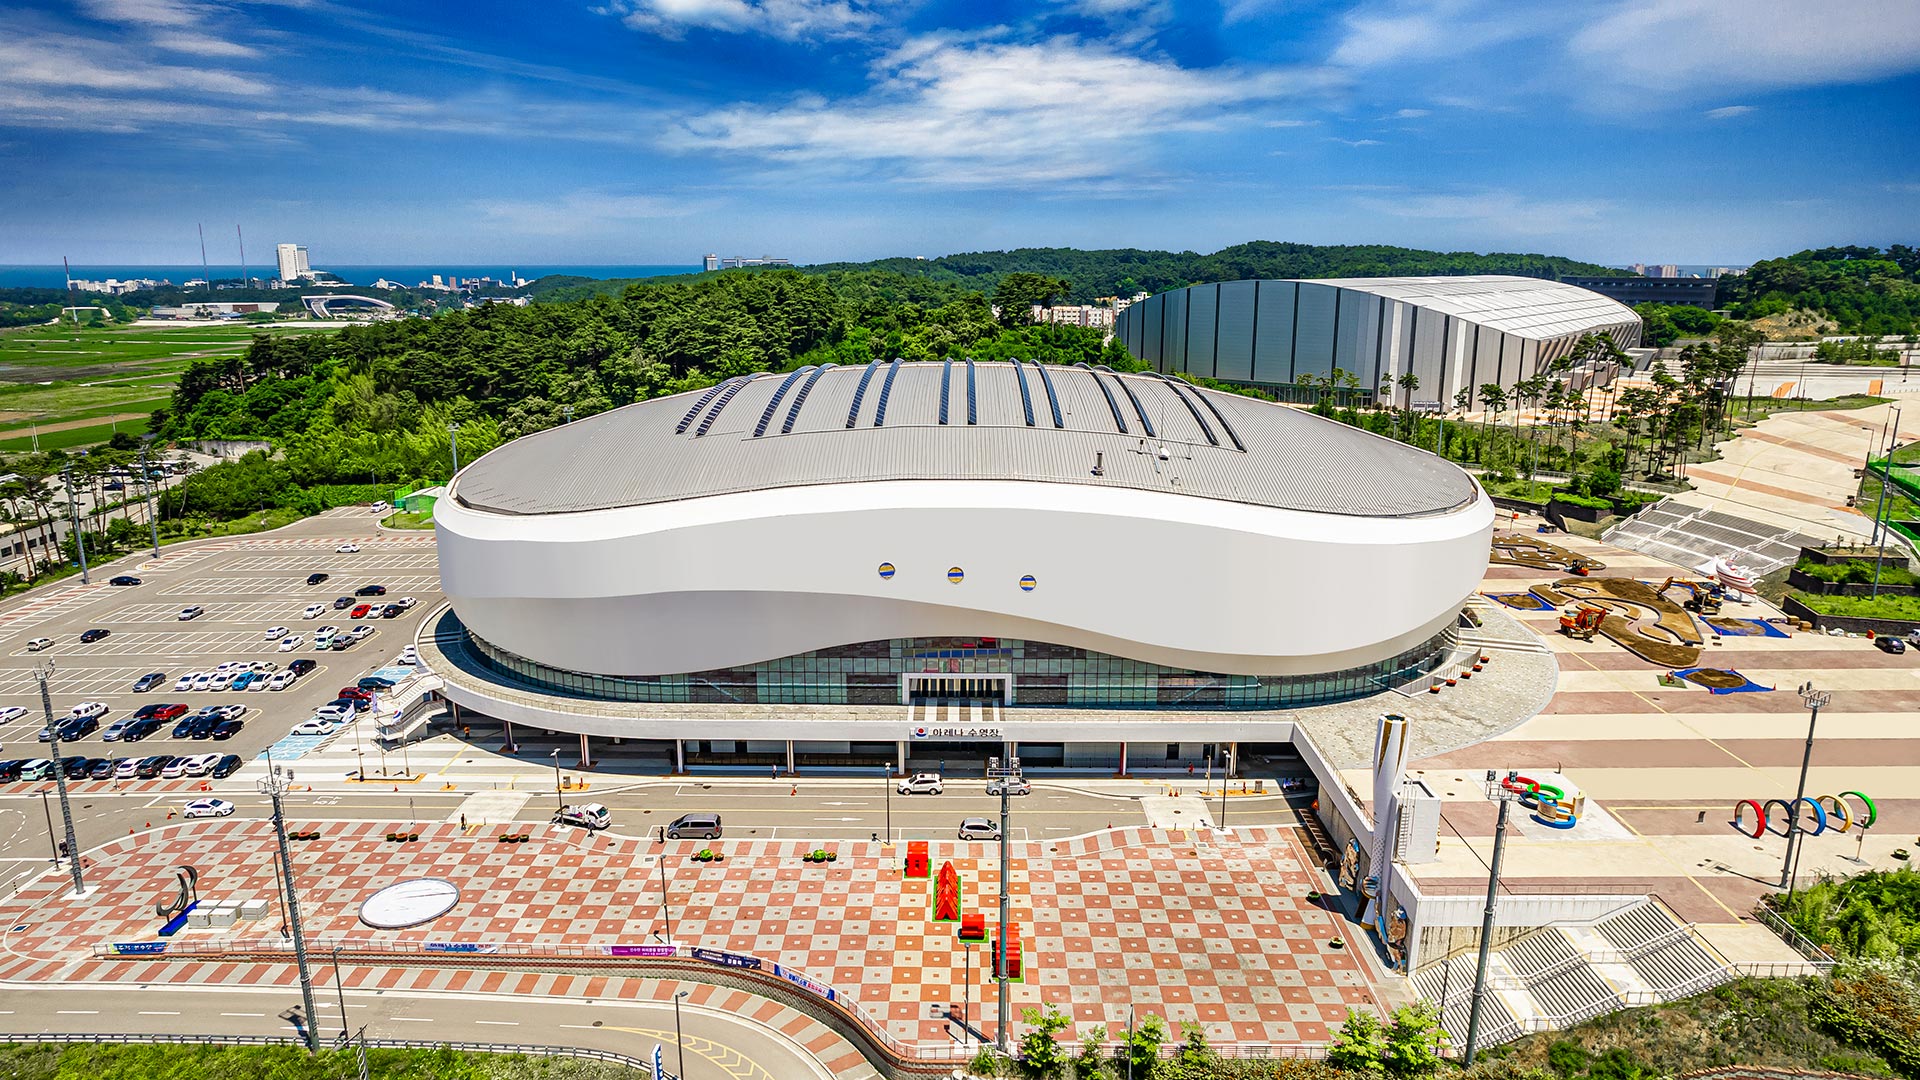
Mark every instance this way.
x=201 y=764
x=206 y=679
x=317 y=726
x=313 y=611
x=348 y=549
x=39 y=643
x=208 y=807
x=926 y=783
x=363 y=632
x=337 y=714
x=193 y=612
x=288 y=644
x=11 y=713
x=406 y=602
x=280 y=681
x=88 y=708
x=185 y=682
x=275 y=632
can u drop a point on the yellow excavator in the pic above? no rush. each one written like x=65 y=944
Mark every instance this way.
x=1704 y=597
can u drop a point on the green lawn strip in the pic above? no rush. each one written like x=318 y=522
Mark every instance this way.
x=1865 y=607
x=72 y=437
x=138 y=405
x=409 y=521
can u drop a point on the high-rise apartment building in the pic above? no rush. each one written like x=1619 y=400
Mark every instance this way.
x=711 y=262
x=293 y=262
x=1664 y=270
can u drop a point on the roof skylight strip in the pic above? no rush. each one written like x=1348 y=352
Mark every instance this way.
x=701 y=404
x=1026 y=396
x=1137 y=410
x=800 y=398
x=773 y=403
x=853 y=410
x=886 y=391
x=1053 y=399
x=1173 y=385
x=1113 y=406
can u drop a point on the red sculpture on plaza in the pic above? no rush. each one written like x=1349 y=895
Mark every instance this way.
x=946 y=894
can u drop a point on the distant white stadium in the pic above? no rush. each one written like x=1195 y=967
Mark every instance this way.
x=1451 y=333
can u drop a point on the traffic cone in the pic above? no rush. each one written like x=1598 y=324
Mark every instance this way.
x=795 y=791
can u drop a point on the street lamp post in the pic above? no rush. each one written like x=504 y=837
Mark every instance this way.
x=559 y=801
x=1002 y=1035
x=453 y=432
x=340 y=990
x=679 y=1048
x=1789 y=868
x=275 y=785
x=888 y=774
x=966 y=1006
x=666 y=907
x=1506 y=799
x=73 y=519
x=60 y=778
x=53 y=846
x=146 y=485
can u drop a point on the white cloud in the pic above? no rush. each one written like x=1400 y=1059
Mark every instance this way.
x=790 y=20
x=203 y=45
x=1727 y=112
x=1431 y=30
x=142 y=12
x=40 y=61
x=1498 y=213
x=1355 y=142
x=1410 y=114
x=1676 y=45
x=1289 y=123
x=961 y=112
x=580 y=212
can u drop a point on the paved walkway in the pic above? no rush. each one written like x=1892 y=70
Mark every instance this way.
x=1205 y=928
x=1664 y=766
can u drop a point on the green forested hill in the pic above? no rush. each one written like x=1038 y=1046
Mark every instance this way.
x=1125 y=271
x=1862 y=289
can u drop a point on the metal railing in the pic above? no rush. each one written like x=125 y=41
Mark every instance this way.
x=1795 y=940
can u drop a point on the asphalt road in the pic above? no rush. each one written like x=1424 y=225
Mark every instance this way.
x=719 y=1046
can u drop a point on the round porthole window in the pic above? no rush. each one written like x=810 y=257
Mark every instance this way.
x=886 y=570
x=956 y=575
x=1027 y=583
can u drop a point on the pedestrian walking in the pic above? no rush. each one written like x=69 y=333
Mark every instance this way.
x=776 y=772
x=463 y=823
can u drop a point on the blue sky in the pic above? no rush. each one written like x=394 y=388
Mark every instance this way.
x=650 y=131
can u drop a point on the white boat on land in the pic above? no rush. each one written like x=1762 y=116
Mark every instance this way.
x=1726 y=572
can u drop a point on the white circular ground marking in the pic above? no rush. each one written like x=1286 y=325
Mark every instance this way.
x=409 y=903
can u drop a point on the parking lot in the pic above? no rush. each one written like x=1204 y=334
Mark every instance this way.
x=247 y=585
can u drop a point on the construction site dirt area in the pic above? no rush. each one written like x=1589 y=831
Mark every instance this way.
x=1638 y=618
x=1538 y=554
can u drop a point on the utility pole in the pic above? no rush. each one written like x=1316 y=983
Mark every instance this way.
x=146 y=485
x=559 y=801
x=339 y=989
x=1813 y=699
x=1002 y=1034
x=275 y=785
x=453 y=432
x=1495 y=790
x=60 y=777
x=73 y=521
x=679 y=1047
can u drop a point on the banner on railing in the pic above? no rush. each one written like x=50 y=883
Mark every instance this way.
x=640 y=950
x=138 y=948
x=804 y=982
x=726 y=959
x=460 y=947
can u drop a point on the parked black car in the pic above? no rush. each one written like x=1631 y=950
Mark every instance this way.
x=90 y=636
x=124 y=579
x=342 y=603
x=392 y=611
x=102 y=769
x=78 y=728
x=370 y=590
x=150 y=767
x=315 y=579
x=226 y=766
x=303 y=666
x=226 y=729
x=10 y=770
x=140 y=729
x=149 y=681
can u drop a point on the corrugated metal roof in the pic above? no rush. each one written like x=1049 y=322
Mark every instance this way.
x=1523 y=306
x=634 y=456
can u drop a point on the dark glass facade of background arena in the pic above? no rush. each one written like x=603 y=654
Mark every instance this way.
x=1043 y=675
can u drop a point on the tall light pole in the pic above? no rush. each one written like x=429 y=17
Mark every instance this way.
x=1813 y=699
x=679 y=1048
x=888 y=773
x=966 y=1007
x=453 y=432
x=340 y=990
x=1002 y=1034
x=1506 y=798
x=73 y=520
x=60 y=777
x=275 y=785
x=146 y=485
x=559 y=801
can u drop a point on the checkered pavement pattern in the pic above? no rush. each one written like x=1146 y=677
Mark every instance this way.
x=1198 y=927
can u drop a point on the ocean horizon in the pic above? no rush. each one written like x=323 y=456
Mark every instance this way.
x=31 y=276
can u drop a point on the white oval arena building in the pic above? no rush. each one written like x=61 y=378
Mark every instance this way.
x=1035 y=538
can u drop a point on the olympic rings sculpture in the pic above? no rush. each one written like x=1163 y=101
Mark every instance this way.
x=1831 y=813
x=1549 y=803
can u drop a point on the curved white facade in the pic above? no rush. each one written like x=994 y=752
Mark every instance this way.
x=1170 y=579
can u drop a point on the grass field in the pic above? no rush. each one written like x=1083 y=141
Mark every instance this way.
x=54 y=376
